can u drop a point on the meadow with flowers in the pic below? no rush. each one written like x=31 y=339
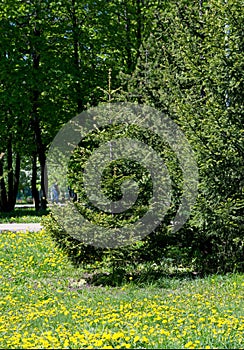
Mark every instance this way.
x=47 y=303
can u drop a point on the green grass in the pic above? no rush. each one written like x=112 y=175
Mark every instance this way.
x=22 y=215
x=47 y=303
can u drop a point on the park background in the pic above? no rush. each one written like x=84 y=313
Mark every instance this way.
x=184 y=58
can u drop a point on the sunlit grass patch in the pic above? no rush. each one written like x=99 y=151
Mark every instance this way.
x=46 y=303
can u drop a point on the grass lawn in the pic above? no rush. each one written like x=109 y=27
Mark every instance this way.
x=47 y=303
x=22 y=215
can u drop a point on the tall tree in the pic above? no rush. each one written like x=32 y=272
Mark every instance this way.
x=13 y=124
x=54 y=56
x=193 y=72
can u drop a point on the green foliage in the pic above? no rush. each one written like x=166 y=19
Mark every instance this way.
x=159 y=248
x=54 y=58
x=184 y=58
x=122 y=170
x=152 y=248
x=193 y=72
x=78 y=252
x=190 y=67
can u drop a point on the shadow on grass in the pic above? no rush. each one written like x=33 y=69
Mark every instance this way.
x=147 y=277
x=23 y=212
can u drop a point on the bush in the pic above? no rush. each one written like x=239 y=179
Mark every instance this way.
x=210 y=242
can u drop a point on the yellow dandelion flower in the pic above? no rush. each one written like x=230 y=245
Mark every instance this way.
x=98 y=343
x=144 y=339
x=189 y=344
x=136 y=339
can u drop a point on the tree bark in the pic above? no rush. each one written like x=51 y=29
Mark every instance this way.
x=16 y=176
x=35 y=123
x=35 y=194
x=10 y=204
x=3 y=192
x=8 y=197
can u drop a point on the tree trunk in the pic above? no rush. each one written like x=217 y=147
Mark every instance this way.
x=35 y=123
x=16 y=176
x=8 y=197
x=3 y=192
x=35 y=193
x=10 y=204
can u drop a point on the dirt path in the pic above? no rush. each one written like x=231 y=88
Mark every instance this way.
x=20 y=227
